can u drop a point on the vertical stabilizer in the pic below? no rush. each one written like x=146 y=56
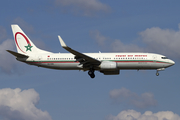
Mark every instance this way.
x=23 y=44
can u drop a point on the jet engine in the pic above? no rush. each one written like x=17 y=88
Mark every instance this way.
x=108 y=65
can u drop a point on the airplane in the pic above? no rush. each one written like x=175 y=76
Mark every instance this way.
x=106 y=63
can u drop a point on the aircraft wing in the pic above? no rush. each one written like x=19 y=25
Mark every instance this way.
x=80 y=56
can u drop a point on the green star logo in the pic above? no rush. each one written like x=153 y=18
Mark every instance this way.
x=28 y=47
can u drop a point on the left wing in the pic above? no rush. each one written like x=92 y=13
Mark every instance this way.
x=82 y=58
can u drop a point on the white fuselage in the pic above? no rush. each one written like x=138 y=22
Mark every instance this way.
x=66 y=61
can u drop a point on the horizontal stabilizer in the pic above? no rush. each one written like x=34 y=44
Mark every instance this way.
x=17 y=54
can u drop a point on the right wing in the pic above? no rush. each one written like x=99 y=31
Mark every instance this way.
x=82 y=58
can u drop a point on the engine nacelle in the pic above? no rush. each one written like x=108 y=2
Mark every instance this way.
x=108 y=65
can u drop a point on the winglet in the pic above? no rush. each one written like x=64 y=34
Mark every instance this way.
x=61 y=41
x=78 y=54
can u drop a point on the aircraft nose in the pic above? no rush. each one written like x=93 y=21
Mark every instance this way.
x=172 y=62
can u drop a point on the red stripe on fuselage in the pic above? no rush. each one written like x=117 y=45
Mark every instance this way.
x=114 y=61
x=54 y=62
x=142 y=61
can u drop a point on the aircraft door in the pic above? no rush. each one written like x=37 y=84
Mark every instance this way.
x=154 y=58
x=40 y=58
x=153 y=64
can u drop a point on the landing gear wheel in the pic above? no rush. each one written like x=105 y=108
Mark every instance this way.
x=91 y=73
x=157 y=74
x=93 y=76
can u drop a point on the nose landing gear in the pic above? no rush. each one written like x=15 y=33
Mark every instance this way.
x=160 y=69
x=157 y=73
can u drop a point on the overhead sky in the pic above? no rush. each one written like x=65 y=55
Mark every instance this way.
x=34 y=93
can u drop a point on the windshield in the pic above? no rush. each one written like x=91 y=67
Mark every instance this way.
x=164 y=57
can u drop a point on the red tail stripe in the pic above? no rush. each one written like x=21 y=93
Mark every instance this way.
x=28 y=42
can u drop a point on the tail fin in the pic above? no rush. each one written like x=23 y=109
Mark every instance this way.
x=23 y=44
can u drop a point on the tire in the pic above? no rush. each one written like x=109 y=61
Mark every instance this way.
x=157 y=74
x=91 y=74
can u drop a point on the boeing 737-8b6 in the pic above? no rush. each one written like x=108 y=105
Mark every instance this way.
x=106 y=63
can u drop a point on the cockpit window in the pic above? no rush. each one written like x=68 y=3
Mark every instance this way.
x=164 y=57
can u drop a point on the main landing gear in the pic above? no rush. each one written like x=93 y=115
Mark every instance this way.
x=91 y=73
